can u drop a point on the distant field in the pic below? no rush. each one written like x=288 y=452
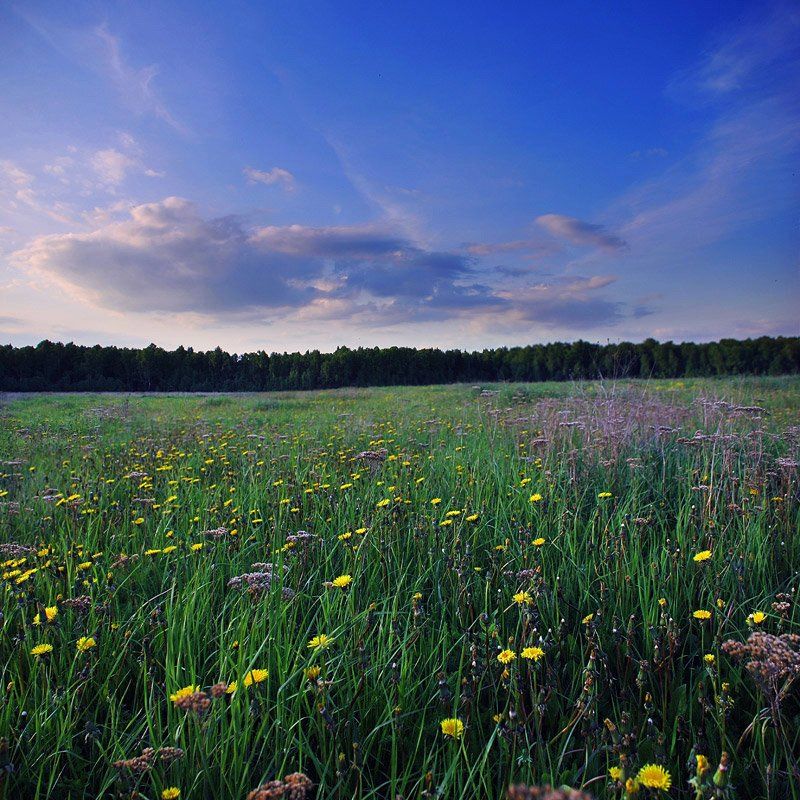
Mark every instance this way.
x=403 y=593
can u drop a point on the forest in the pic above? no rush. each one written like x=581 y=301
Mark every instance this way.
x=54 y=366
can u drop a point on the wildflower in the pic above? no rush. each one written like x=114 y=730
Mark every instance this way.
x=709 y=658
x=41 y=650
x=51 y=612
x=187 y=691
x=615 y=773
x=703 y=555
x=522 y=598
x=757 y=617
x=701 y=613
x=472 y=518
x=453 y=728
x=196 y=546
x=535 y=498
x=171 y=793
x=342 y=582
x=85 y=643
x=506 y=656
x=255 y=676
x=631 y=787
x=539 y=542
x=587 y=619
x=231 y=687
x=654 y=776
x=702 y=764
x=312 y=673
x=532 y=653
x=436 y=501
x=604 y=494
x=320 y=642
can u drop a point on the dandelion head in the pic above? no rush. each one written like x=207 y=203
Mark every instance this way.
x=453 y=728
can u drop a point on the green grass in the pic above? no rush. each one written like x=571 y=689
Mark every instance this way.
x=417 y=633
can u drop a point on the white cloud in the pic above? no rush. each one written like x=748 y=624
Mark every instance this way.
x=277 y=175
x=111 y=165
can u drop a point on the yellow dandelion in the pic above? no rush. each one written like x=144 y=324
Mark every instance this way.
x=171 y=793
x=757 y=617
x=539 y=542
x=320 y=642
x=703 y=555
x=41 y=650
x=255 y=676
x=85 y=643
x=654 y=776
x=506 y=656
x=535 y=498
x=522 y=598
x=342 y=582
x=51 y=612
x=615 y=773
x=186 y=691
x=452 y=727
x=702 y=613
x=532 y=653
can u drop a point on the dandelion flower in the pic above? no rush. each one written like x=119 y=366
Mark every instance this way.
x=506 y=656
x=51 y=612
x=709 y=658
x=41 y=650
x=320 y=642
x=532 y=653
x=757 y=617
x=171 y=793
x=701 y=613
x=181 y=694
x=522 y=598
x=587 y=619
x=615 y=773
x=342 y=582
x=535 y=498
x=539 y=542
x=85 y=643
x=255 y=676
x=654 y=776
x=604 y=494
x=703 y=555
x=453 y=728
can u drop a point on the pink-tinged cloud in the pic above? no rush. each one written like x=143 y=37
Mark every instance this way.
x=578 y=232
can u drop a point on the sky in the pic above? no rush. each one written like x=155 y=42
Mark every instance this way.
x=293 y=176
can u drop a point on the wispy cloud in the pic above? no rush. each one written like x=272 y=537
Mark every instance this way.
x=135 y=85
x=578 y=232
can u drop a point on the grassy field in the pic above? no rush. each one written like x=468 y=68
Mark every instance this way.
x=403 y=592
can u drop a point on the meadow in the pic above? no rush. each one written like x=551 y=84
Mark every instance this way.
x=403 y=593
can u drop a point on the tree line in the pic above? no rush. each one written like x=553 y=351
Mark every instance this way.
x=53 y=366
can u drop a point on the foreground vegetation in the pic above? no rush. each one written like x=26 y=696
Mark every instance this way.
x=403 y=593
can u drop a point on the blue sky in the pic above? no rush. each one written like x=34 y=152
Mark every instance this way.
x=292 y=176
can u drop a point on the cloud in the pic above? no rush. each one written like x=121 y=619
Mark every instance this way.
x=275 y=175
x=165 y=257
x=581 y=233
x=134 y=85
x=112 y=165
x=748 y=54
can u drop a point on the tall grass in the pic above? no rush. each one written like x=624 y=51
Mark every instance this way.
x=104 y=497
